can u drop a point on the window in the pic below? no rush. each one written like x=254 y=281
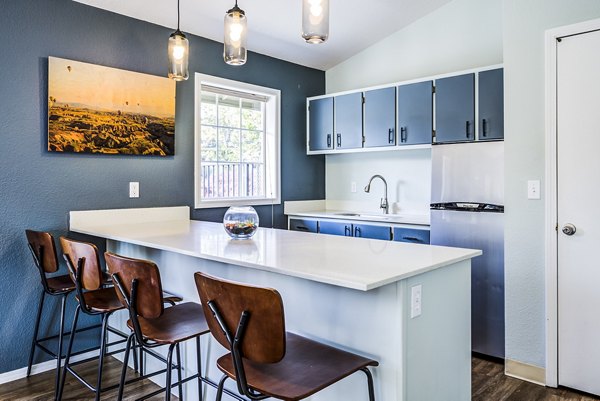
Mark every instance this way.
x=237 y=143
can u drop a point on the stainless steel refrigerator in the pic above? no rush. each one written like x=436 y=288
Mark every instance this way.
x=467 y=210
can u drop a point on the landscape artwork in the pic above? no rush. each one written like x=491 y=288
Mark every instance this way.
x=96 y=109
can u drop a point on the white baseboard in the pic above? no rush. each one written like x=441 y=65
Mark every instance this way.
x=40 y=368
x=524 y=371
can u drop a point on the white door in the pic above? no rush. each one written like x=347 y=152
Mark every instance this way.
x=578 y=200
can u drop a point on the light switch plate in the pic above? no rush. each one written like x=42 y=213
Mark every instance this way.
x=533 y=189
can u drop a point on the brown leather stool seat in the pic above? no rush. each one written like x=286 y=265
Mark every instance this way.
x=139 y=288
x=264 y=359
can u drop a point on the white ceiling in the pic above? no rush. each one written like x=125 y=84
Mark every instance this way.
x=275 y=25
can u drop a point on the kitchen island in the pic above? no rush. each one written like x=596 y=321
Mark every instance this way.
x=353 y=293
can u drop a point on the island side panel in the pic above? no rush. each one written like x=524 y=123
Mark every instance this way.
x=366 y=322
x=438 y=342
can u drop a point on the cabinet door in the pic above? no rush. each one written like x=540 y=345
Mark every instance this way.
x=412 y=235
x=320 y=128
x=455 y=109
x=335 y=228
x=370 y=231
x=415 y=113
x=305 y=225
x=491 y=105
x=348 y=121
x=380 y=117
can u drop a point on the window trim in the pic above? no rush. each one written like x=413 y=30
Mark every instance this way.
x=274 y=105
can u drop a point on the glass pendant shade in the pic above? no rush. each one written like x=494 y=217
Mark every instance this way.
x=179 y=51
x=315 y=20
x=234 y=51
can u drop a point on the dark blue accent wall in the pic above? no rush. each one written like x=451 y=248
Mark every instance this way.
x=38 y=189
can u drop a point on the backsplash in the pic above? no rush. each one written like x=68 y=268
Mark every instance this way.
x=408 y=175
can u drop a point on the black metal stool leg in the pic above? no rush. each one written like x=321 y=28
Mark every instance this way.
x=130 y=339
x=68 y=355
x=169 y=370
x=220 y=388
x=60 y=343
x=35 y=333
x=101 y=357
x=199 y=365
x=370 y=383
x=178 y=351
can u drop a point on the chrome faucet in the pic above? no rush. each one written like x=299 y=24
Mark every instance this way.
x=384 y=201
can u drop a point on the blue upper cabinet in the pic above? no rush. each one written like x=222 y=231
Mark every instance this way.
x=415 y=113
x=455 y=109
x=320 y=114
x=348 y=121
x=380 y=117
x=491 y=104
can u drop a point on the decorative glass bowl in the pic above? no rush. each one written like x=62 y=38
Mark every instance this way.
x=240 y=222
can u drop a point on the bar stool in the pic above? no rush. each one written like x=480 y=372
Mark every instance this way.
x=139 y=288
x=264 y=359
x=43 y=250
x=94 y=298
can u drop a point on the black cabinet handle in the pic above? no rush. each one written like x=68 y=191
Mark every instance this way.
x=484 y=127
x=413 y=239
x=347 y=231
x=301 y=228
x=339 y=140
x=357 y=231
x=468 y=128
x=391 y=135
x=328 y=140
x=403 y=135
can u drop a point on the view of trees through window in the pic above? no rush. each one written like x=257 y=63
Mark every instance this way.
x=232 y=131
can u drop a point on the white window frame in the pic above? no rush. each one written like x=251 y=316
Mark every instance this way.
x=272 y=142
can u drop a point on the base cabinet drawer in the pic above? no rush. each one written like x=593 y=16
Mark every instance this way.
x=306 y=225
x=335 y=228
x=411 y=235
x=374 y=232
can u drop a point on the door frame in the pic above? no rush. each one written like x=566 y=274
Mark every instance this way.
x=551 y=192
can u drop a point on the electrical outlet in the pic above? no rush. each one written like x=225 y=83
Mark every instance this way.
x=134 y=189
x=533 y=189
x=416 y=301
x=353 y=187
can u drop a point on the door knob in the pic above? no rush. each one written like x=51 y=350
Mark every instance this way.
x=569 y=229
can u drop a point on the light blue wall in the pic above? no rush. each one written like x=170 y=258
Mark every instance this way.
x=524 y=24
x=39 y=188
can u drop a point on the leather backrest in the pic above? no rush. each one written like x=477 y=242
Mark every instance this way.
x=264 y=338
x=45 y=242
x=91 y=277
x=149 y=289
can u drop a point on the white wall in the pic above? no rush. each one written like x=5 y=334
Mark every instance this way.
x=408 y=174
x=461 y=35
x=524 y=24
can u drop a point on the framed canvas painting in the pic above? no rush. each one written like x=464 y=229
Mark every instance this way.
x=96 y=109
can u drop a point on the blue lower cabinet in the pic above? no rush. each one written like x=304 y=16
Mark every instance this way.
x=413 y=235
x=335 y=228
x=374 y=232
x=309 y=226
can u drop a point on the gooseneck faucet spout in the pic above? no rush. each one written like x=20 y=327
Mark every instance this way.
x=384 y=201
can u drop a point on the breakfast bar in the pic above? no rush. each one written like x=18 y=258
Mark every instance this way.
x=405 y=305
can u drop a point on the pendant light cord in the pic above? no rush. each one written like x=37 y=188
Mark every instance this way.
x=178 y=14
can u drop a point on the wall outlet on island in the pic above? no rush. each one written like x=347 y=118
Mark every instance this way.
x=353 y=186
x=416 y=300
x=134 y=189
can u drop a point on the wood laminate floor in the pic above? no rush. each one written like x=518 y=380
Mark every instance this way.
x=489 y=384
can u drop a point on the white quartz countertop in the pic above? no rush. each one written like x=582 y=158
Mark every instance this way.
x=357 y=263
x=410 y=219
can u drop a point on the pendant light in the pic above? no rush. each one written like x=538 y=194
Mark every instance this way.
x=179 y=52
x=315 y=20
x=234 y=50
